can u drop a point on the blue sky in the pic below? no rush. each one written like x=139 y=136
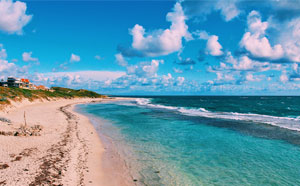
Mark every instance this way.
x=154 y=47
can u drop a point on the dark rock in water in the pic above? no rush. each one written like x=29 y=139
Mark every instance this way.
x=156 y=172
x=135 y=180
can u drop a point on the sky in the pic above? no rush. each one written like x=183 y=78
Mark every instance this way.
x=185 y=47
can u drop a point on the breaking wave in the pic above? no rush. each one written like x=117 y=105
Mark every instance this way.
x=283 y=122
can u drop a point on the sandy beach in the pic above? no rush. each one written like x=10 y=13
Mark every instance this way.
x=47 y=143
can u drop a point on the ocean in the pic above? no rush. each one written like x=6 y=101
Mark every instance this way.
x=204 y=140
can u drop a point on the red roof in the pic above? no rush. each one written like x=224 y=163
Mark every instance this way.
x=25 y=80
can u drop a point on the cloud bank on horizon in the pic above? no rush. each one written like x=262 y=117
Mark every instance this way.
x=204 y=47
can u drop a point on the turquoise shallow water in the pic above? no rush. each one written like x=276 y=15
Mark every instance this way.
x=189 y=143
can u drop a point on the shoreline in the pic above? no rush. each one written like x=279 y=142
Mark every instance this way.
x=112 y=162
x=65 y=150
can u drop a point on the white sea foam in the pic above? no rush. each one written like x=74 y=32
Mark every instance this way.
x=283 y=122
x=142 y=101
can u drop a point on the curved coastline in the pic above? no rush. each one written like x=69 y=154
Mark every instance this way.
x=172 y=148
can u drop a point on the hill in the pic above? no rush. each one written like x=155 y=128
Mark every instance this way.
x=17 y=94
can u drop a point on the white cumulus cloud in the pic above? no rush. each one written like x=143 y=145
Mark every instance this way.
x=74 y=58
x=3 y=54
x=180 y=81
x=251 y=77
x=80 y=79
x=290 y=39
x=228 y=9
x=13 y=16
x=27 y=56
x=177 y=70
x=5 y=66
x=162 y=42
x=213 y=47
x=121 y=60
x=200 y=8
x=284 y=78
x=255 y=40
x=145 y=69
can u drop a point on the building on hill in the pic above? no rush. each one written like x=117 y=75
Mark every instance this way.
x=21 y=83
x=41 y=87
x=14 y=82
x=26 y=84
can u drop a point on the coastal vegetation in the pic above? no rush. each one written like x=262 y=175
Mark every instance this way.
x=8 y=94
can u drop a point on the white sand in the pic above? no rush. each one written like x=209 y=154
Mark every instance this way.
x=68 y=151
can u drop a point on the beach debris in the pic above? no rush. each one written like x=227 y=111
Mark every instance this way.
x=28 y=151
x=18 y=158
x=5 y=120
x=25 y=153
x=5 y=133
x=3 y=166
x=12 y=155
x=3 y=182
x=29 y=131
x=24 y=131
x=54 y=163
x=135 y=180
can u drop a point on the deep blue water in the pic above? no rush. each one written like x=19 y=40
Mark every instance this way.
x=205 y=140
